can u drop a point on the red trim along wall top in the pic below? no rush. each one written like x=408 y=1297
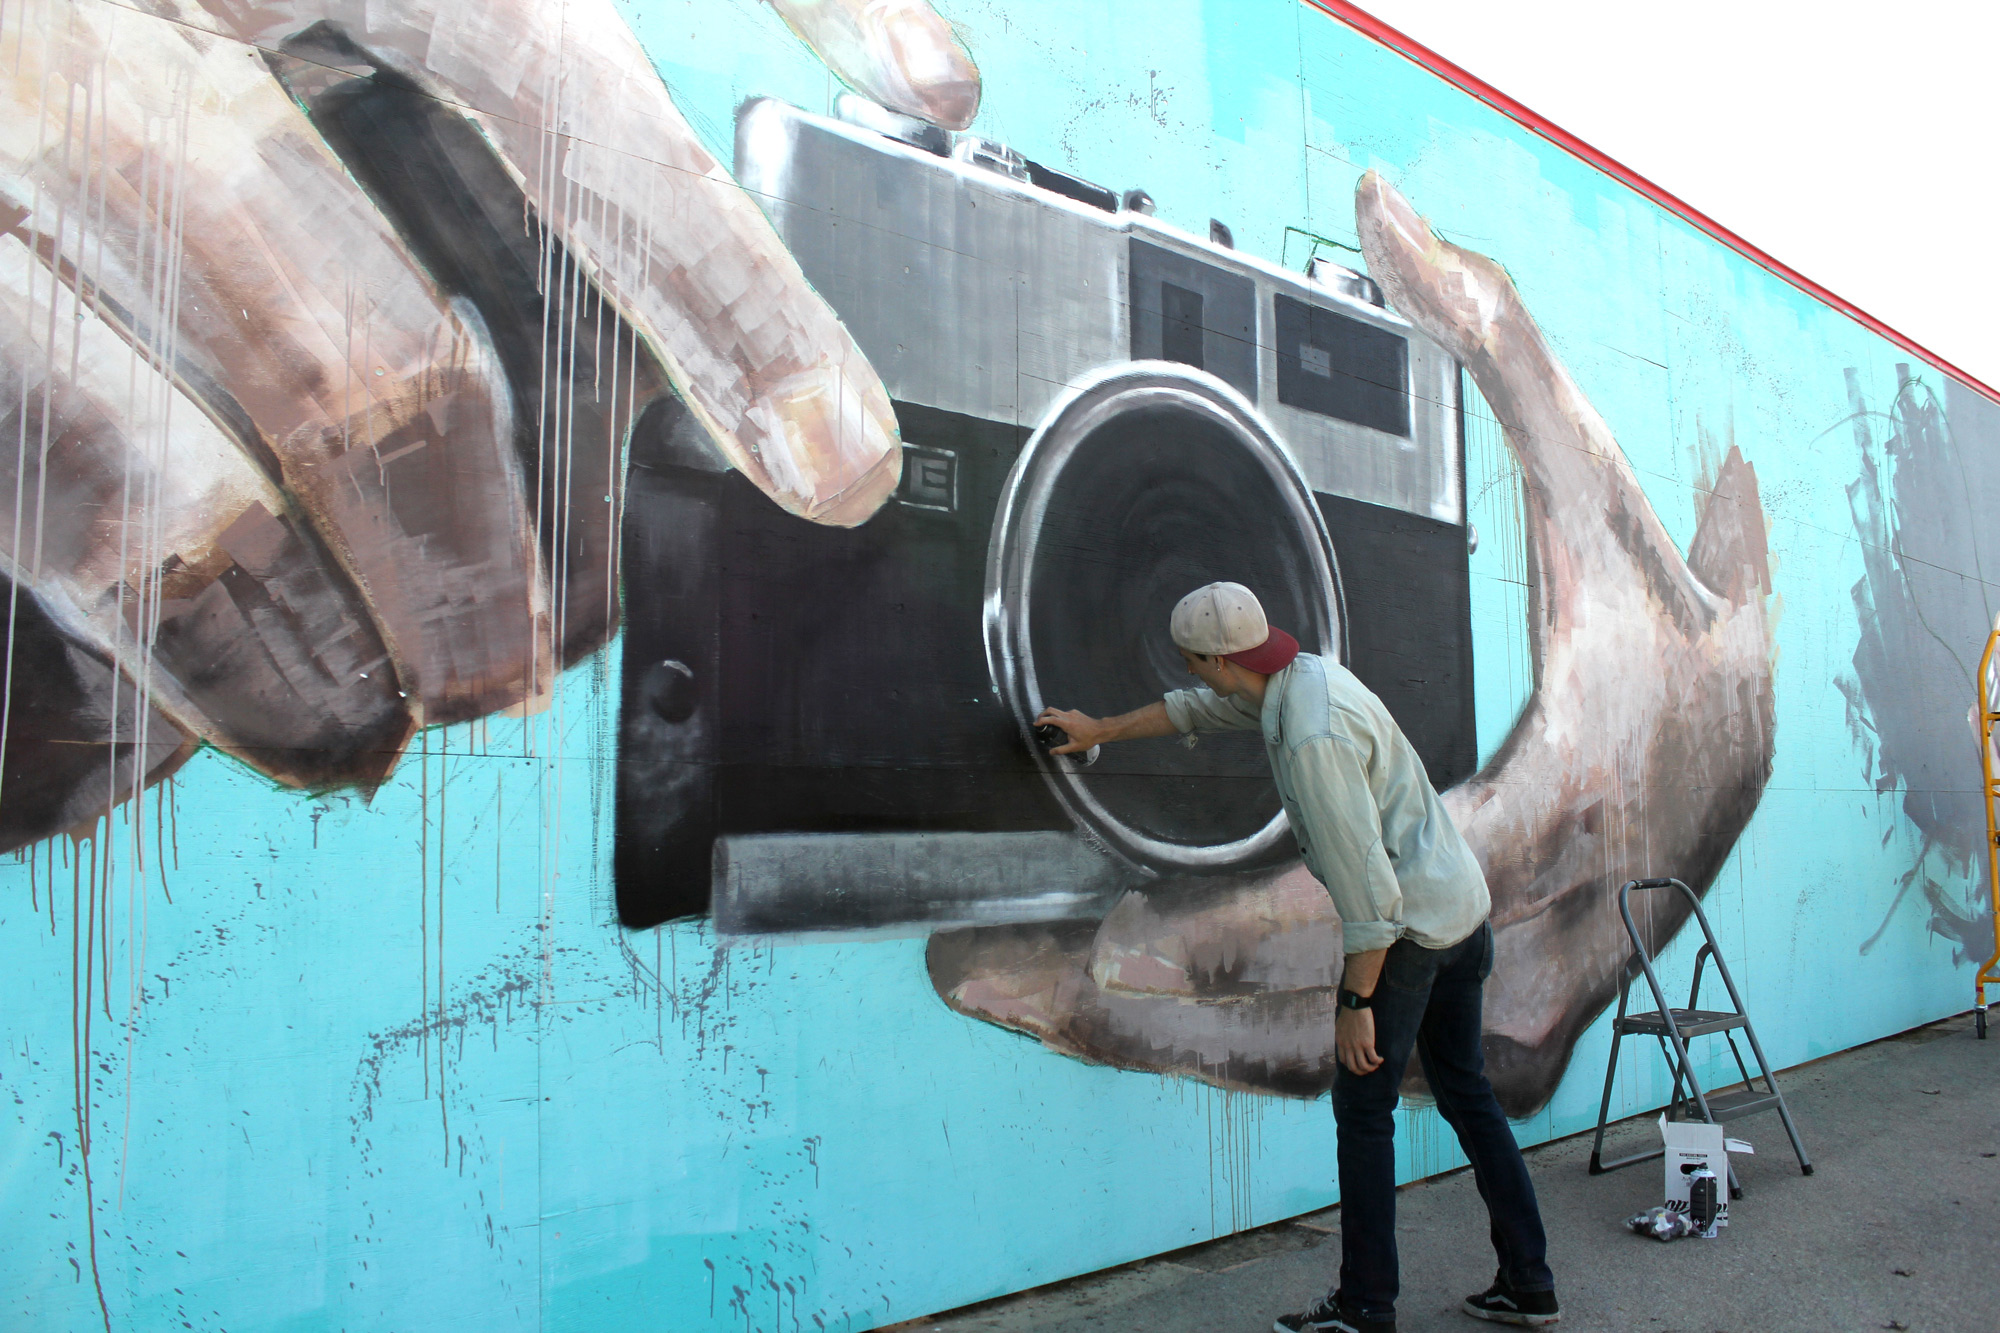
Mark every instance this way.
x=1411 y=49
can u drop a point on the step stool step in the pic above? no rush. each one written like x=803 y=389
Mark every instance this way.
x=1691 y=1022
x=1724 y=1106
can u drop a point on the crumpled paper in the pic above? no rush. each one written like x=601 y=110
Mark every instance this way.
x=1662 y=1223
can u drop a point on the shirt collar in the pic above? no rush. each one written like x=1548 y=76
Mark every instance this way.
x=1274 y=701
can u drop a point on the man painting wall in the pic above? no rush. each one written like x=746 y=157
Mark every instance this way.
x=1413 y=905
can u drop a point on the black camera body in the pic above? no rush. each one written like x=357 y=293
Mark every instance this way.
x=827 y=728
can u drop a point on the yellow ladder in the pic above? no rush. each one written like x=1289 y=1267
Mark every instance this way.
x=1989 y=694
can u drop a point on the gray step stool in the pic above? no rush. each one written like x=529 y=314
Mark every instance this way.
x=1672 y=1028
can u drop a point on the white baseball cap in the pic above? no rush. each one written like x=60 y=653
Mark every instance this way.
x=1226 y=620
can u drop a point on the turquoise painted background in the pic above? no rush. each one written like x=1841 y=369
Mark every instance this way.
x=390 y=1063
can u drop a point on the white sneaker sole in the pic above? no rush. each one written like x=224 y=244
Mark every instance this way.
x=1514 y=1317
x=1278 y=1327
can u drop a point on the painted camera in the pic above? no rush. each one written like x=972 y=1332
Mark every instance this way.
x=832 y=728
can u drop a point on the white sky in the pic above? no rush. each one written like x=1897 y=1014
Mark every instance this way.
x=1858 y=143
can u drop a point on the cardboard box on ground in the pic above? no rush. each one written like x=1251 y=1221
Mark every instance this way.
x=1690 y=1146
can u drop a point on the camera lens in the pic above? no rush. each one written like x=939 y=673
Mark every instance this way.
x=1143 y=486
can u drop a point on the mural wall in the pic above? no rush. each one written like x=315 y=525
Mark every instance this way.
x=533 y=536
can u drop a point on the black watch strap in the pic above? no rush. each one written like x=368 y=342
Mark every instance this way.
x=1349 y=1000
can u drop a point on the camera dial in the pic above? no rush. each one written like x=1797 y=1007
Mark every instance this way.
x=992 y=155
x=1340 y=278
x=895 y=125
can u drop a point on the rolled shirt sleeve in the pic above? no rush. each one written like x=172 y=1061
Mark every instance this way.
x=1339 y=827
x=1205 y=710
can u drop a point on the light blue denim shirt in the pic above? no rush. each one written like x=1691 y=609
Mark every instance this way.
x=1369 y=824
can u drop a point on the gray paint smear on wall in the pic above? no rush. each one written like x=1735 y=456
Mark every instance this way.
x=1929 y=477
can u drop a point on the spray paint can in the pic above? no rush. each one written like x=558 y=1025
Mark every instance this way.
x=1704 y=1199
x=1050 y=736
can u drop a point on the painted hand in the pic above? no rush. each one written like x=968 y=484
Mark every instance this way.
x=321 y=329
x=1643 y=751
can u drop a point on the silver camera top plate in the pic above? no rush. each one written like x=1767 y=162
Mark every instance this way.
x=975 y=291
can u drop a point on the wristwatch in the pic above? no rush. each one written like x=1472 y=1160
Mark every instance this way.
x=1349 y=1000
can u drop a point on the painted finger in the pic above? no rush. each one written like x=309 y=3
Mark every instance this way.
x=1228 y=980
x=608 y=164
x=579 y=375
x=214 y=228
x=75 y=735
x=147 y=535
x=1219 y=937
x=1648 y=740
x=1037 y=980
x=900 y=53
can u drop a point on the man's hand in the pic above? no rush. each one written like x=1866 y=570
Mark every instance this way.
x=1082 y=729
x=1354 y=1041
x=1085 y=731
x=1354 y=1029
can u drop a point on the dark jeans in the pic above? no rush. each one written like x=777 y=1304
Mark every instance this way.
x=1429 y=999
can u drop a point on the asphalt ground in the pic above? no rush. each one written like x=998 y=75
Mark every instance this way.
x=1898 y=1227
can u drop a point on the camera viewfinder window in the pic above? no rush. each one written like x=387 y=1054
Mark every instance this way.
x=1180 y=325
x=1342 y=368
x=1198 y=313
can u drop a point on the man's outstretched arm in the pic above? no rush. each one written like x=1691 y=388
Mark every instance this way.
x=1085 y=731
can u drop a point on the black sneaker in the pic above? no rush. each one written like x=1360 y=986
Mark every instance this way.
x=1502 y=1304
x=1331 y=1316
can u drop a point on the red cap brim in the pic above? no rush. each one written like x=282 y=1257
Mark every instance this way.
x=1269 y=657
